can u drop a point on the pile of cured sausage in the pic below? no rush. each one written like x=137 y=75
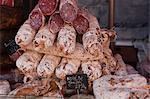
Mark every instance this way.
x=60 y=39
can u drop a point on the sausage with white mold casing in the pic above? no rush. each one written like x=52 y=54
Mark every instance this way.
x=119 y=87
x=67 y=67
x=68 y=10
x=23 y=90
x=25 y=34
x=28 y=63
x=105 y=67
x=81 y=23
x=109 y=63
x=44 y=38
x=92 y=69
x=91 y=37
x=91 y=44
x=66 y=40
x=48 y=6
x=36 y=87
x=4 y=87
x=122 y=93
x=54 y=91
x=36 y=18
x=122 y=70
x=131 y=70
x=55 y=22
x=47 y=65
x=106 y=36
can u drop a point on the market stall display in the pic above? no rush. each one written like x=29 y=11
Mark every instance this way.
x=52 y=52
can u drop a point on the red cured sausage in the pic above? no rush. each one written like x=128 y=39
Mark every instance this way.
x=93 y=23
x=48 y=6
x=81 y=23
x=36 y=18
x=68 y=10
x=55 y=23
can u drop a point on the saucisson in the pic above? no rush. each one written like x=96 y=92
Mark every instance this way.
x=91 y=44
x=67 y=67
x=81 y=23
x=36 y=18
x=55 y=23
x=92 y=69
x=28 y=63
x=4 y=87
x=66 y=40
x=68 y=10
x=48 y=6
x=47 y=65
x=44 y=38
x=25 y=34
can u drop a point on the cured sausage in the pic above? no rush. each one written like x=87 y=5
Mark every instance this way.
x=106 y=36
x=109 y=63
x=81 y=23
x=48 y=6
x=55 y=23
x=122 y=69
x=35 y=88
x=131 y=70
x=44 y=38
x=4 y=87
x=66 y=40
x=25 y=34
x=91 y=44
x=68 y=10
x=93 y=23
x=28 y=62
x=92 y=69
x=120 y=87
x=91 y=37
x=36 y=18
x=47 y=65
x=67 y=67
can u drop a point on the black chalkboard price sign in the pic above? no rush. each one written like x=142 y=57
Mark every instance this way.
x=77 y=81
x=13 y=50
x=11 y=47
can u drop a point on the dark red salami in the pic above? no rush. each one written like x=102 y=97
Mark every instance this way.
x=36 y=18
x=93 y=23
x=48 y=6
x=55 y=23
x=81 y=23
x=68 y=10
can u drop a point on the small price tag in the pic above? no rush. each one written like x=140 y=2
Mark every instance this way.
x=11 y=47
x=77 y=81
